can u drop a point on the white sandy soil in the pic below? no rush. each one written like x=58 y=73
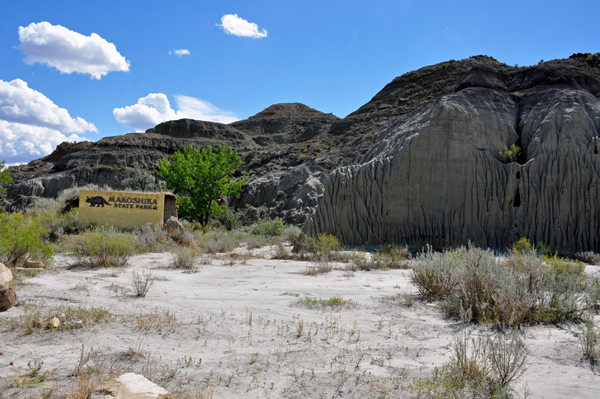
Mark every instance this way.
x=232 y=331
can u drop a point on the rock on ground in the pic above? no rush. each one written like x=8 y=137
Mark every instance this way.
x=133 y=386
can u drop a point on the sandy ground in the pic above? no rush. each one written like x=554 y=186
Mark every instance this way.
x=239 y=331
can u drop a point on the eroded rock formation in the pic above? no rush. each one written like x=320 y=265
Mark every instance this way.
x=436 y=174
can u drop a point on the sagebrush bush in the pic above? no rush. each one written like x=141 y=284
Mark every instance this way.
x=589 y=257
x=104 y=247
x=268 y=227
x=215 y=240
x=481 y=367
x=522 y=289
x=23 y=237
x=150 y=238
x=186 y=260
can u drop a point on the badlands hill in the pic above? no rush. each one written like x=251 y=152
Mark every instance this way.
x=422 y=160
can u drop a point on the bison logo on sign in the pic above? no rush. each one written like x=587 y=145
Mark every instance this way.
x=97 y=201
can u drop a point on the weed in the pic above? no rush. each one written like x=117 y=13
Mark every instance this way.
x=150 y=238
x=509 y=154
x=589 y=336
x=522 y=246
x=312 y=303
x=142 y=282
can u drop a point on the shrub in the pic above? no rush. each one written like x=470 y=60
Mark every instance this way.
x=481 y=367
x=269 y=228
x=589 y=257
x=214 y=241
x=229 y=218
x=522 y=245
x=508 y=293
x=23 y=237
x=186 y=260
x=104 y=247
x=150 y=238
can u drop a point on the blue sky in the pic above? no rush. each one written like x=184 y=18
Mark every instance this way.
x=74 y=70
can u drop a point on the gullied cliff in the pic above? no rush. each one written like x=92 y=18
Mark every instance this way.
x=435 y=174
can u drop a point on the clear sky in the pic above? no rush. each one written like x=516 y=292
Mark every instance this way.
x=75 y=70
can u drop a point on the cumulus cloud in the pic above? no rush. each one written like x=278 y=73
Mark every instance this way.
x=148 y=112
x=69 y=51
x=234 y=25
x=203 y=110
x=31 y=125
x=19 y=103
x=20 y=143
x=155 y=108
x=181 y=52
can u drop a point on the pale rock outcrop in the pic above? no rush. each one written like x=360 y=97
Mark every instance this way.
x=6 y=276
x=436 y=173
x=132 y=386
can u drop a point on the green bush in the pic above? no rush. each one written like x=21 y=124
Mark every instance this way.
x=104 y=247
x=522 y=246
x=21 y=238
x=509 y=154
x=522 y=289
x=229 y=218
x=269 y=228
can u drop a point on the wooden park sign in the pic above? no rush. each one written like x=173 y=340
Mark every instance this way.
x=124 y=210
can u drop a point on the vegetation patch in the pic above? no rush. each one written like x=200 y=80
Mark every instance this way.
x=333 y=301
x=525 y=288
x=104 y=247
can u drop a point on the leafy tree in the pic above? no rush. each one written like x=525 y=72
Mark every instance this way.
x=5 y=177
x=200 y=178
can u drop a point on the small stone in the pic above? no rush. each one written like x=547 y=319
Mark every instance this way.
x=8 y=297
x=62 y=317
x=54 y=322
x=78 y=324
x=33 y=263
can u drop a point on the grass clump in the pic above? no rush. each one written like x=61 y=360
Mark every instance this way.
x=589 y=337
x=335 y=300
x=269 y=228
x=523 y=289
x=104 y=247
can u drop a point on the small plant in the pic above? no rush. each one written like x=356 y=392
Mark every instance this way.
x=270 y=228
x=509 y=154
x=335 y=300
x=142 y=282
x=104 y=247
x=186 y=260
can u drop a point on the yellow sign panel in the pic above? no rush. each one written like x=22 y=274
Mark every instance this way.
x=120 y=209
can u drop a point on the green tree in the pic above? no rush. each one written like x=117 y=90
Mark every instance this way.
x=200 y=178
x=5 y=177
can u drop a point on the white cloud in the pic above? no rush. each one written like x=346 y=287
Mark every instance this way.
x=148 y=112
x=181 y=52
x=31 y=125
x=21 y=104
x=203 y=110
x=20 y=143
x=69 y=51
x=234 y=25
x=155 y=108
